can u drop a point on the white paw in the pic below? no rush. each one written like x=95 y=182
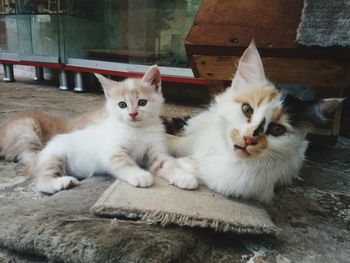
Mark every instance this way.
x=185 y=181
x=188 y=164
x=141 y=179
x=54 y=185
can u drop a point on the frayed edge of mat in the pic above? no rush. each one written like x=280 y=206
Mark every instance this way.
x=165 y=218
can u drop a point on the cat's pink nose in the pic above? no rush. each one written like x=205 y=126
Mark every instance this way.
x=133 y=114
x=249 y=140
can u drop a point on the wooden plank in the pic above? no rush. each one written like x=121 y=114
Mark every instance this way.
x=321 y=73
x=215 y=87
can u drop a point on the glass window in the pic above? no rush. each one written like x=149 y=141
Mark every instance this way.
x=131 y=31
x=8 y=27
x=37 y=27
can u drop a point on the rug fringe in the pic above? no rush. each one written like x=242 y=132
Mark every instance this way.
x=165 y=218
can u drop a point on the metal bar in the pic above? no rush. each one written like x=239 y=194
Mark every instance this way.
x=62 y=76
x=125 y=67
x=39 y=74
x=135 y=75
x=8 y=73
x=78 y=80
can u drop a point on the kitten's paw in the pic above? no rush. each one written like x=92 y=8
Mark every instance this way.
x=188 y=164
x=141 y=179
x=54 y=185
x=185 y=181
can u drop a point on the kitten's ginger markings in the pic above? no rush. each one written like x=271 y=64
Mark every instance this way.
x=119 y=139
x=252 y=137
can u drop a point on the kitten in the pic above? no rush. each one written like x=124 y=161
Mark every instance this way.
x=24 y=134
x=252 y=137
x=120 y=138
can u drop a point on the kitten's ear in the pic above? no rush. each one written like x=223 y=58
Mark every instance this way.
x=316 y=112
x=107 y=84
x=323 y=110
x=152 y=77
x=250 y=68
x=331 y=105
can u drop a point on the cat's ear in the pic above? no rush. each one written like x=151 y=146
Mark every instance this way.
x=107 y=84
x=250 y=68
x=152 y=77
x=315 y=112
x=321 y=112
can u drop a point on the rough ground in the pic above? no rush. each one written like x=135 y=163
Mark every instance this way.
x=313 y=214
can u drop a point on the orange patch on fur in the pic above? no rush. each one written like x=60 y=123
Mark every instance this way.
x=122 y=160
x=261 y=146
x=253 y=150
x=277 y=114
x=256 y=97
x=158 y=166
x=235 y=136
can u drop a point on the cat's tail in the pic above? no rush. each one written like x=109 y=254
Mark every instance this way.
x=20 y=141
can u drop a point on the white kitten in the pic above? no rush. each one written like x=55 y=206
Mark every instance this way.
x=252 y=136
x=129 y=135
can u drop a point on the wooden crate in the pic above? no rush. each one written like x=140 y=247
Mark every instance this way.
x=222 y=30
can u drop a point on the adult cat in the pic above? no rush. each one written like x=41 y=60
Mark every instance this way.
x=252 y=137
x=126 y=135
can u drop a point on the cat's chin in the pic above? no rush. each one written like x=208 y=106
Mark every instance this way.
x=135 y=122
x=241 y=151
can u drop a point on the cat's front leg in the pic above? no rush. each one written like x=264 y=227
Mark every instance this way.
x=173 y=171
x=122 y=166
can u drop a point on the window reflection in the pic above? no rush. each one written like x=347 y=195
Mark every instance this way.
x=128 y=31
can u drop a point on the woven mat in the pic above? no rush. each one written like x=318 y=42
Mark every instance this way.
x=168 y=205
x=325 y=23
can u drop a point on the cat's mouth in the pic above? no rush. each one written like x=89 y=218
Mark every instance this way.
x=241 y=149
x=135 y=119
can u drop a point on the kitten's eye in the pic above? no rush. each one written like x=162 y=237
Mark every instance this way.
x=247 y=110
x=276 y=129
x=142 y=102
x=122 y=105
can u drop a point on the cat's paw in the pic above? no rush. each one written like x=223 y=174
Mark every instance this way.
x=54 y=185
x=185 y=181
x=188 y=164
x=141 y=179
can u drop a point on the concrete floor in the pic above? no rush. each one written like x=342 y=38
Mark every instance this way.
x=313 y=214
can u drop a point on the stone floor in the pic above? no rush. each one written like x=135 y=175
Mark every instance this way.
x=313 y=214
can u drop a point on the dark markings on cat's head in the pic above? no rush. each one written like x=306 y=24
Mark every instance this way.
x=175 y=125
x=315 y=112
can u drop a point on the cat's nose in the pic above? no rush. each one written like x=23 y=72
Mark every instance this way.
x=248 y=140
x=133 y=114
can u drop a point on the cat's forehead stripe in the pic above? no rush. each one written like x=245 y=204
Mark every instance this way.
x=256 y=97
x=277 y=114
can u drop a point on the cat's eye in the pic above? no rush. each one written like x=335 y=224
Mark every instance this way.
x=122 y=105
x=276 y=129
x=142 y=102
x=247 y=110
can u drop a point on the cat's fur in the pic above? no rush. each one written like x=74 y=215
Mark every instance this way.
x=237 y=155
x=24 y=134
x=112 y=139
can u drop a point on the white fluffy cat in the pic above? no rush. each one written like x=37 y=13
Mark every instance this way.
x=252 y=136
x=128 y=136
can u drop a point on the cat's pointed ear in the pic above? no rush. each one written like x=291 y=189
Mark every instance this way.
x=107 y=84
x=250 y=68
x=152 y=77
x=331 y=105
x=323 y=110
x=318 y=113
